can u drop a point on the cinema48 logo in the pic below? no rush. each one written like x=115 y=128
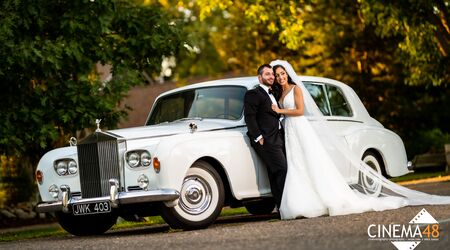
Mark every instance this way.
x=423 y=227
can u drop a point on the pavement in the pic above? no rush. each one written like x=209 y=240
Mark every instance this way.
x=55 y=224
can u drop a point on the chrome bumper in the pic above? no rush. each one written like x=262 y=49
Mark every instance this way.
x=115 y=199
x=410 y=166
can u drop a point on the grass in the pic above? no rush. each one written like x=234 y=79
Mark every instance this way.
x=233 y=211
x=418 y=175
x=152 y=220
x=50 y=231
x=56 y=231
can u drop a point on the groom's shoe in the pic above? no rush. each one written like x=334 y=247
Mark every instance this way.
x=277 y=213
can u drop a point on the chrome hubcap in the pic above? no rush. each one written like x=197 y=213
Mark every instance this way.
x=196 y=195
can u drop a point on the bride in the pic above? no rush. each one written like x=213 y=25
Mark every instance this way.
x=314 y=186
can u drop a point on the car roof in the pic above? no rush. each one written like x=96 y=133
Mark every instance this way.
x=359 y=111
x=249 y=82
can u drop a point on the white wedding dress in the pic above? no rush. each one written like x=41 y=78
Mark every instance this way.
x=314 y=186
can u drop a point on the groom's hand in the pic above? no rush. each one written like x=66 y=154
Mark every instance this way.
x=261 y=141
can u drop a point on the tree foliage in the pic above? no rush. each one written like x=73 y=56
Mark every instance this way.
x=424 y=29
x=49 y=49
x=393 y=53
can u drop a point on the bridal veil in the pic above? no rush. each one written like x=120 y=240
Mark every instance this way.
x=389 y=189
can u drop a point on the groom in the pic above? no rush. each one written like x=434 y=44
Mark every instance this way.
x=265 y=130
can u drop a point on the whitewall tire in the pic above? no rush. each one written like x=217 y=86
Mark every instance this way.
x=370 y=186
x=201 y=199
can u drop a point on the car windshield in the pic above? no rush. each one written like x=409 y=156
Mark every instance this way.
x=224 y=102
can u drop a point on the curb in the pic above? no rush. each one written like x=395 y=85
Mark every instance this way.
x=428 y=180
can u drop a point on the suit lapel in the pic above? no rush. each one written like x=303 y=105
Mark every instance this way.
x=264 y=93
x=267 y=99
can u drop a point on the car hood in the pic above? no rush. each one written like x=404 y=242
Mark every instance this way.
x=173 y=128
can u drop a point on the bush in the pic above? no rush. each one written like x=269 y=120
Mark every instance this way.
x=429 y=141
x=16 y=183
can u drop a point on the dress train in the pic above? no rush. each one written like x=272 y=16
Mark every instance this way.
x=314 y=186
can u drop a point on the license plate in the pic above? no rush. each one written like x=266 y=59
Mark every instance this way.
x=91 y=208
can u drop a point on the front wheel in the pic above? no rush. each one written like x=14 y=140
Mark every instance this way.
x=202 y=197
x=83 y=225
x=370 y=185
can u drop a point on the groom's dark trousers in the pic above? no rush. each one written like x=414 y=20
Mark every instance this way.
x=262 y=120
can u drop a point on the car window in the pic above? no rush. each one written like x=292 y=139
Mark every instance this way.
x=318 y=93
x=329 y=98
x=338 y=104
x=224 y=102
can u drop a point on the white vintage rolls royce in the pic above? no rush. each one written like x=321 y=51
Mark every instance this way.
x=193 y=157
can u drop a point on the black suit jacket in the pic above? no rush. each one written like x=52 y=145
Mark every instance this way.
x=260 y=118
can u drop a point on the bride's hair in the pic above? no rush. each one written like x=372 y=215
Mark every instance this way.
x=280 y=66
x=276 y=87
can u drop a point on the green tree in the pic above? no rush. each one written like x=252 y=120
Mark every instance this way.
x=237 y=36
x=420 y=35
x=393 y=53
x=49 y=49
x=423 y=27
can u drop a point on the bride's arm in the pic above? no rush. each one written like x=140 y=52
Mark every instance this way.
x=299 y=106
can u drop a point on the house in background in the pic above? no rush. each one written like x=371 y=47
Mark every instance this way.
x=140 y=99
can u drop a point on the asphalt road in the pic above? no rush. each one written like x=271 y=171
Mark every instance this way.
x=264 y=232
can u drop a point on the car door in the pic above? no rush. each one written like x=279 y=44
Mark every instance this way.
x=331 y=101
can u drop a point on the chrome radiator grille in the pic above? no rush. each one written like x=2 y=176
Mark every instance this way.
x=98 y=160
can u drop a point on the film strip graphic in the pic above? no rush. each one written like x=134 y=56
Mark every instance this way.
x=430 y=230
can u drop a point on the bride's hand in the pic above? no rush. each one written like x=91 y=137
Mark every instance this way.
x=275 y=108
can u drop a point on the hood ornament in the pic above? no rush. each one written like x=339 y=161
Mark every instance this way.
x=192 y=127
x=73 y=141
x=97 y=121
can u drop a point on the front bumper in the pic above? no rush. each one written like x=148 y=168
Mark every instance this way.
x=115 y=199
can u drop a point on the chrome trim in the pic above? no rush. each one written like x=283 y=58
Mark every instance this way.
x=193 y=127
x=65 y=198
x=197 y=195
x=73 y=141
x=167 y=135
x=97 y=121
x=123 y=198
x=410 y=166
x=114 y=192
x=342 y=120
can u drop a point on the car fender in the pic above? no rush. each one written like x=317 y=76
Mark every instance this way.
x=388 y=144
x=178 y=153
x=50 y=177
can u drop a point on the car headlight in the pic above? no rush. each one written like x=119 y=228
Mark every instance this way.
x=133 y=159
x=139 y=158
x=146 y=159
x=53 y=190
x=72 y=167
x=65 y=167
x=143 y=181
x=61 y=168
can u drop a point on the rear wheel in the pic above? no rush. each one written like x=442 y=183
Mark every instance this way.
x=261 y=207
x=201 y=199
x=370 y=185
x=86 y=224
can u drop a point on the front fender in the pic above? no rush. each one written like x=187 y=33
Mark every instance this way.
x=50 y=177
x=178 y=153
